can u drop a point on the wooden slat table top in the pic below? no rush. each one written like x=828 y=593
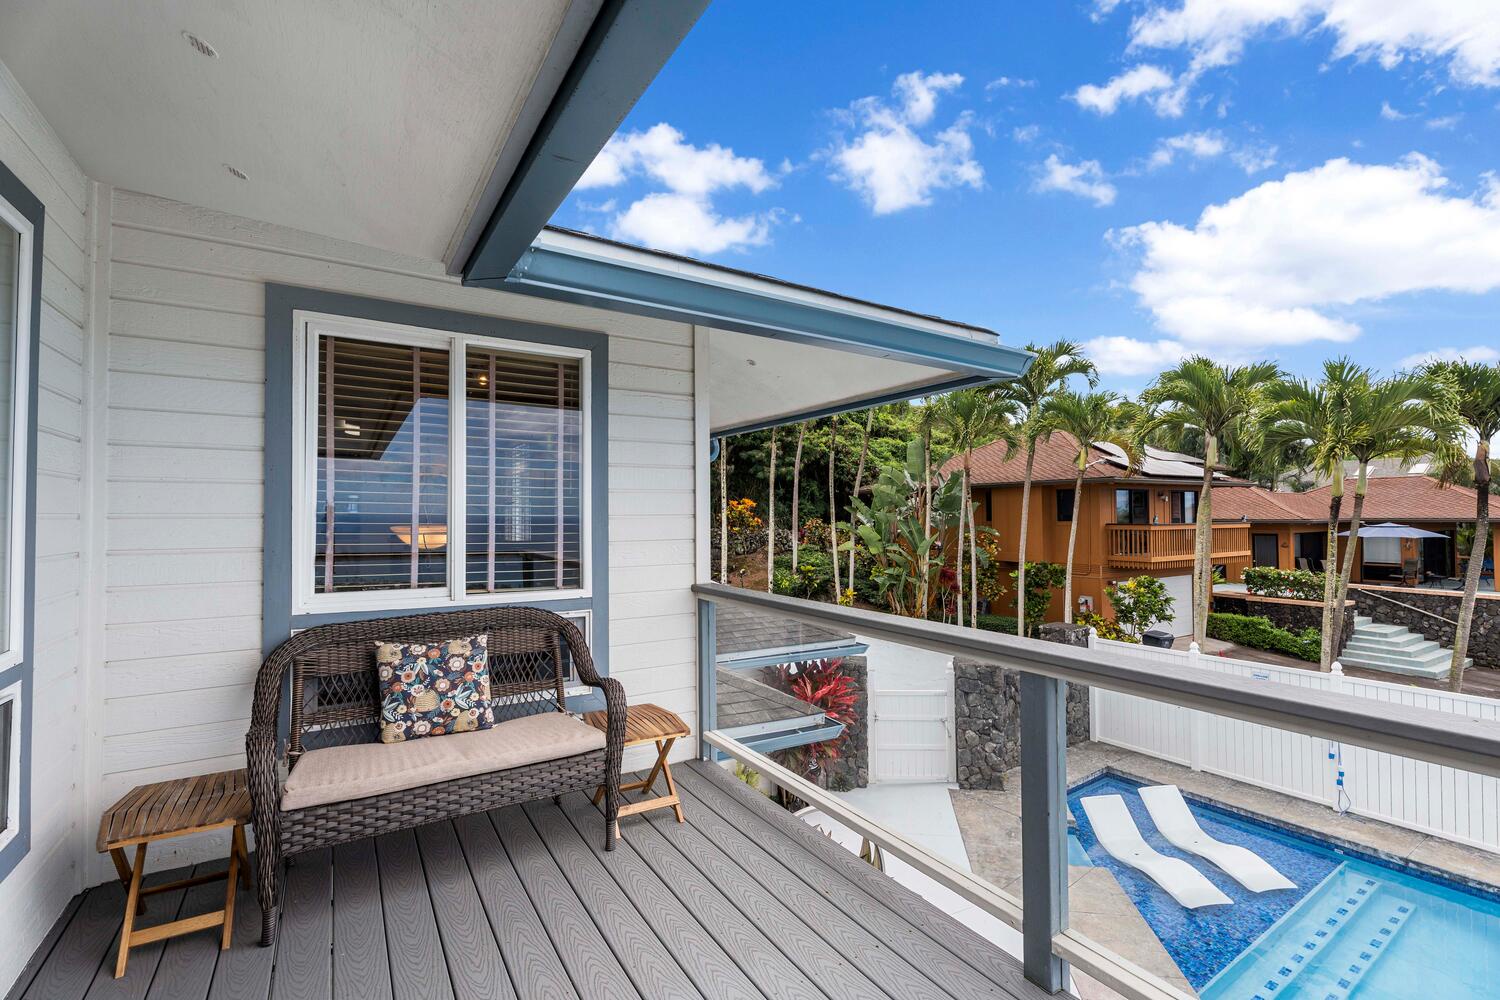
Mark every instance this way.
x=643 y=724
x=176 y=807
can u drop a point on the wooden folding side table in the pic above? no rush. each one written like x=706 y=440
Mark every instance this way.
x=149 y=813
x=647 y=724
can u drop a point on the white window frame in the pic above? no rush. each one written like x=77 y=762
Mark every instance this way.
x=308 y=329
x=20 y=396
x=12 y=757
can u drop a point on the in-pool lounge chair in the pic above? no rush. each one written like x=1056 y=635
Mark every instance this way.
x=1170 y=812
x=1117 y=833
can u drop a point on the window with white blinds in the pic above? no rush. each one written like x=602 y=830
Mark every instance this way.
x=407 y=506
x=382 y=482
x=524 y=445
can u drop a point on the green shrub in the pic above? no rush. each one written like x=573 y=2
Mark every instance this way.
x=1107 y=628
x=1139 y=603
x=1259 y=633
x=1268 y=581
x=998 y=623
x=1041 y=579
x=812 y=580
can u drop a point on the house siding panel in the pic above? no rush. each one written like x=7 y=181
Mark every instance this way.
x=185 y=464
x=41 y=884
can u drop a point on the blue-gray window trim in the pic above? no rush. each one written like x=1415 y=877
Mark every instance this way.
x=29 y=205
x=282 y=301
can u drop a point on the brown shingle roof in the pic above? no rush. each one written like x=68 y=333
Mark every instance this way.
x=993 y=465
x=1387 y=498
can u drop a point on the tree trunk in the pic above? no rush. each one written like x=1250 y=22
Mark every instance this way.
x=723 y=510
x=1347 y=569
x=1021 y=549
x=925 y=601
x=833 y=508
x=771 y=514
x=859 y=476
x=1476 y=564
x=1330 y=584
x=1072 y=543
x=973 y=547
x=796 y=498
x=1203 y=542
x=958 y=554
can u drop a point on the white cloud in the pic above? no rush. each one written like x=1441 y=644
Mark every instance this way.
x=1274 y=265
x=1444 y=123
x=889 y=163
x=1026 y=133
x=1479 y=353
x=1085 y=179
x=1465 y=34
x=1390 y=114
x=1254 y=159
x=1148 y=82
x=683 y=218
x=680 y=223
x=1005 y=82
x=1126 y=356
x=1198 y=145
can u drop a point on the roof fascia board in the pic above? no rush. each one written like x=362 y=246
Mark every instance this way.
x=851 y=405
x=824 y=733
x=561 y=54
x=794 y=654
x=592 y=281
x=742 y=733
x=626 y=46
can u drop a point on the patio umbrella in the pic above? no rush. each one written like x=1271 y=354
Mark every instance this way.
x=1391 y=529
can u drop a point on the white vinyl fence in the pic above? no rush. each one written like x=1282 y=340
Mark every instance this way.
x=1442 y=801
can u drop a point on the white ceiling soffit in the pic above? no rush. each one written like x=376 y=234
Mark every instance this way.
x=374 y=122
x=757 y=381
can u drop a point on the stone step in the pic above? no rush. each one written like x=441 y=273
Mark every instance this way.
x=1362 y=620
x=1431 y=667
x=1409 y=644
x=1381 y=628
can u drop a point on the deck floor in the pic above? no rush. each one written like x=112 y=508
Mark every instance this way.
x=742 y=901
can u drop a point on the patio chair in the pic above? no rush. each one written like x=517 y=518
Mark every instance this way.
x=323 y=681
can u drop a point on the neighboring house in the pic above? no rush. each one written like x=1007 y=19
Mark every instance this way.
x=1290 y=530
x=1131 y=522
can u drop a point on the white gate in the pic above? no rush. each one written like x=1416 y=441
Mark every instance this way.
x=911 y=736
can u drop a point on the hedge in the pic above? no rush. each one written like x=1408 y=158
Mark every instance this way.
x=1268 y=581
x=1258 y=633
x=998 y=623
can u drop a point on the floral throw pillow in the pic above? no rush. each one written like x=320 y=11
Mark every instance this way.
x=433 y=688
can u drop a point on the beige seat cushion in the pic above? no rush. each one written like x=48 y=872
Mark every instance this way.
x=340 y=774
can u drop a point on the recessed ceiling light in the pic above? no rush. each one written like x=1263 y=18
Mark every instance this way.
x=236 y=172
x=200 y=46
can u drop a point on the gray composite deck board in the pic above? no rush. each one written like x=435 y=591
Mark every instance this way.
x=741 y=901
x=701 y=957
x=999 y=967
x=161 y=907
x=361 y=965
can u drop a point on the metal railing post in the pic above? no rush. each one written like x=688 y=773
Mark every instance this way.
x=708 y=691
x=1044 y=827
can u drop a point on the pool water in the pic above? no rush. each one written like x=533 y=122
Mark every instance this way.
x=1353 y=926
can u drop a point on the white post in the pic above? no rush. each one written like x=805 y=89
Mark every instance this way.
x=1198 y=722
x=1335 y=751
x=1094 y=693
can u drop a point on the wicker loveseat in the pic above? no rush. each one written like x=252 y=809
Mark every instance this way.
x=331 y=780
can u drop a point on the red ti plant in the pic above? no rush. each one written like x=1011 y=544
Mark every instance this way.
x=822 y=683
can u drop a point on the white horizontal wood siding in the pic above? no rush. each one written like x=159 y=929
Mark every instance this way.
x=34 y=893
x=184 y=465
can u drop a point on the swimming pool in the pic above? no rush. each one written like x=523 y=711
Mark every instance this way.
x=1352 y=924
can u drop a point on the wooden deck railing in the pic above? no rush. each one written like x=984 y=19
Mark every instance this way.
x=1167 y=546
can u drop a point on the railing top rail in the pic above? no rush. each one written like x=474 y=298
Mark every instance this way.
x=1440 y=737
x=1409 y=607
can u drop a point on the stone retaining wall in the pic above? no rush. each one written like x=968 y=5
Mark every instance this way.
x=1423 y=605
x=987 y=714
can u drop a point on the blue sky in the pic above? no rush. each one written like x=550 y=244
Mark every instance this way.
x=1285 y=179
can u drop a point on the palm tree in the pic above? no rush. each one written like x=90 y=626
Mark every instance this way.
x=859 y=476
x=723 y=510
x=771 y=513
x=833 y=513
x=1402 y=417
x=796 y=499
x=927 y=420
x=1475 y=392
x=1091 y=419
x=1047 y=374
x=1215 y=400
x=1314 y=419
x=972 y=418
